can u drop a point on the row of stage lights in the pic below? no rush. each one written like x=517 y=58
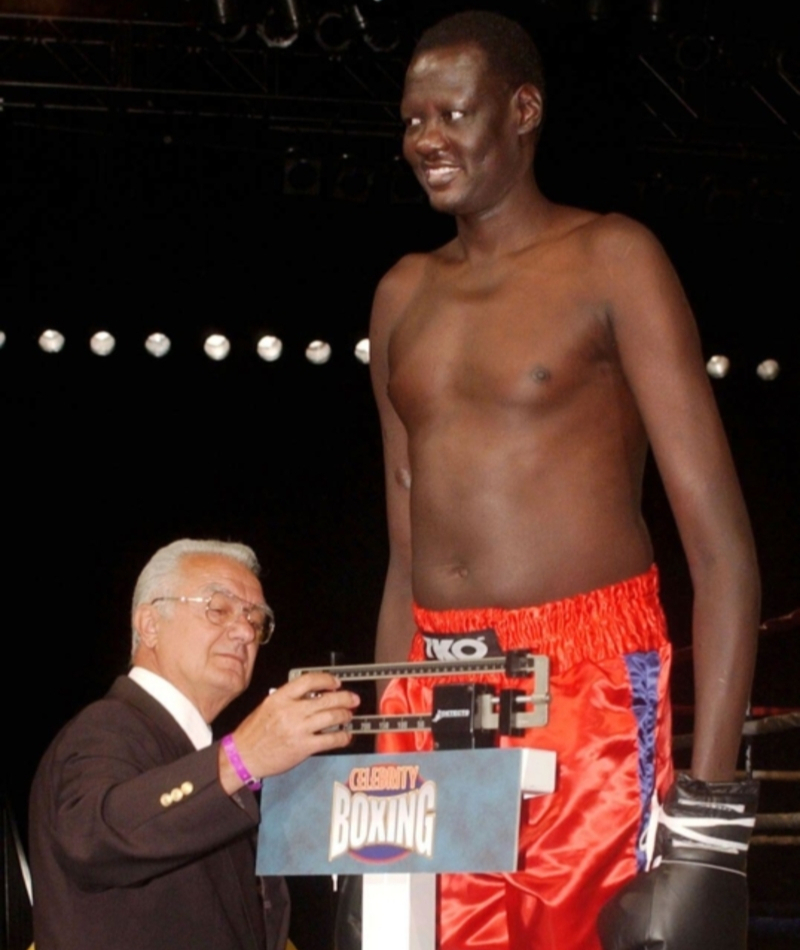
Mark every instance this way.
x=719 y=366
x=217 y=347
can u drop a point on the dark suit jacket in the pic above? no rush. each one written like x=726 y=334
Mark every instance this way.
x=135 y=845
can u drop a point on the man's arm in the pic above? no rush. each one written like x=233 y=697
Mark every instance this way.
x=300 y=719
x=115 y=807
x=662 y=361
x=395 y=622
x=119 y=811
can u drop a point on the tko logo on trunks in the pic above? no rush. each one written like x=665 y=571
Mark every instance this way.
x=383 y=813
x=474 y=645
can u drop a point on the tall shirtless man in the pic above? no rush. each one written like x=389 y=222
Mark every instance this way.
x=520 y=372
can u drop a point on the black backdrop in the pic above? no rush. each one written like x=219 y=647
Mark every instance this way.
x=105 y=459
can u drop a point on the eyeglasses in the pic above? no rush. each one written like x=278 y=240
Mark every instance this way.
x=223 y=609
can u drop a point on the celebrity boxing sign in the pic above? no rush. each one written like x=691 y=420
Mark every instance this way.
x=357 y=814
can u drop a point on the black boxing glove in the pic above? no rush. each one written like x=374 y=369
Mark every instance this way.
x=694 y=897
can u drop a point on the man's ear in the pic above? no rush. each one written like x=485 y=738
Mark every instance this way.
x=146 y=621
x=530 y=108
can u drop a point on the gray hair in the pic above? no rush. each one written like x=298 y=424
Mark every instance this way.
x=160 y=572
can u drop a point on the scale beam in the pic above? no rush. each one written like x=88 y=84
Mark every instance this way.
x=515 y=663
x=467 y=714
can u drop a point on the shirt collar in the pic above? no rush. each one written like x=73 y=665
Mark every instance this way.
x=182 y=710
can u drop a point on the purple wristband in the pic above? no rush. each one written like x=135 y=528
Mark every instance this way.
x=238 y=766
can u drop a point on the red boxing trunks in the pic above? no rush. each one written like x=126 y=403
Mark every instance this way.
x=610 y=728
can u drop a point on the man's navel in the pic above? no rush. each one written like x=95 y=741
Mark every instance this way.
x=459 y=570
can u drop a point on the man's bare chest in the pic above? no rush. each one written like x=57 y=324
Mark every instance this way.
x=517 y=341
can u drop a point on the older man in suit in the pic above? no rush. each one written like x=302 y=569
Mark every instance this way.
x=141 y=827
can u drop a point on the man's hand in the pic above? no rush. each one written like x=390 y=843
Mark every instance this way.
x=695 y=895
x=290 y=725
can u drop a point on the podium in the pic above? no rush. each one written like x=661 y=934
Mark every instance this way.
x=399 y=820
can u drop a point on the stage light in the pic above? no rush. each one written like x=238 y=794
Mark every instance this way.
x=301 y=176
x=333 y=33
x=718 y=366
x=224 y=12
x=597 y=10
x=269 y=348
x=158 y=344
x=51 y=341
x=403 y=186
x=217 y=346
x=693 y=52
x=788 y=61
x=768 y=370
x=102 y=343
x=318 y=352
x=380 y=33
x=353 y=181
x=655 y=10
x=362 y=351
x=2 y=339
x=226 y=21
x=281 y=27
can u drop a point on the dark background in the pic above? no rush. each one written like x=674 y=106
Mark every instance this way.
x=133 y=219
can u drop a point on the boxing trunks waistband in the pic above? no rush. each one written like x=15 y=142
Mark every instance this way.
x=626 y=617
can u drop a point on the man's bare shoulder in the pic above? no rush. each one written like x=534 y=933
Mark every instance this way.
x=616 y=238
x=592 y=235
x=410 y=269
x=624 y=263
x=395 y=289
x=407 y=272
x=398 y=285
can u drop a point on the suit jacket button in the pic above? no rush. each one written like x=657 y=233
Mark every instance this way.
x=166 y=799
x=176 y=794
x=187 y=788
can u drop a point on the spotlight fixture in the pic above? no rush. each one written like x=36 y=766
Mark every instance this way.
x=718 y=366
x=333 y=32
x=654 y=10
x=158 y=344
x=102 y=343
x=217 y=346
x=224 y=12
x=353 y=181
x=724 y=204
x=226 y=21
x=269 y=348
x=597 y=10
x=301 y=176
x=281 y=27
x=318 y=352
x=693 y=52
x=404 y=189
x=362 y=351
x=380 y=33
x=788 y=61
x=51 y=341
x=768 y=370
x=2 y=339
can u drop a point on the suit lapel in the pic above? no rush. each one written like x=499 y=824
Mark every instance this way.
x=126 y=690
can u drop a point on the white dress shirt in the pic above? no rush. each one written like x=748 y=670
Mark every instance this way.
x=182 y=710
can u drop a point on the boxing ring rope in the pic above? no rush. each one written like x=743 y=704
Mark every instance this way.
x=775 y=829
x=767 y=725
x=766 y=721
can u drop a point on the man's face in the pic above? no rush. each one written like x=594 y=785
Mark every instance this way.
x=462 y=138
x=209 y=664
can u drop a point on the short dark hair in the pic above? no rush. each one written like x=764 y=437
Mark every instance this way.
x=510 y=52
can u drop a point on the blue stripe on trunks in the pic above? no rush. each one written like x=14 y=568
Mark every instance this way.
x=644 y=670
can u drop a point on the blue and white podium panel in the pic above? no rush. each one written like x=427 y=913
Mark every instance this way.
x=411 y=813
